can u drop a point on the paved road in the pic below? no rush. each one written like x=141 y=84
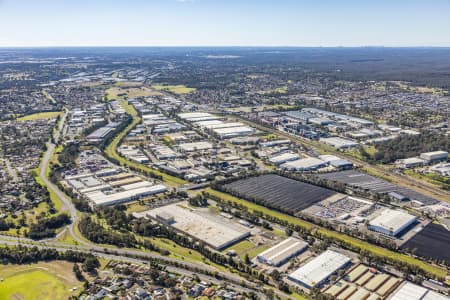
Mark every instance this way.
x=119 y=254
x=66 y=202
x=129 y=256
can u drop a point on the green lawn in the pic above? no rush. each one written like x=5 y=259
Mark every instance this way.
x=325 y=232
x=176 y=89
x=49 y=97
x=40 y=116
x=38 y=281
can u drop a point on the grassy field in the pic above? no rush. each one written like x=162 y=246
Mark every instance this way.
x=118 y=92
x=325 y=232
x=40 y=116
x=176 y=89
x=49 y=280
x=48 y=96
x=435 y=179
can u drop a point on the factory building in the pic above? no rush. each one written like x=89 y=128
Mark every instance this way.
x=215 y=232
x=282 y=252
x=231 y=132
x=410 y=291
x=284 y=157
x=411 y=162
x=317 y=271
x=435 y=156
x=339 y=143
x=195 y=146
x=392 y=222
x=305 y=164
x=99 y=198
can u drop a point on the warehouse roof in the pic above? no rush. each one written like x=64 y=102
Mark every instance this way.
x=392 y=220
x=212 y=230
x=320 y=268
x=304 y=164
x=234 y=130
x=100 y=198
x=283 y=250
x=410 y=291
x=196 y=146
x=283 y=157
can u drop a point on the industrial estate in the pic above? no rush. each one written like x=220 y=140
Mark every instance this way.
x=160 y=176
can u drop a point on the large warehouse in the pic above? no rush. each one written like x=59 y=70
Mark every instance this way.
x=215 y=232
x=282 y=252
x=318 y=271
x=434 y=156
x=231 y=132
x=391 y=222
x=305 y=164
x=410 y=291
x=100 y=198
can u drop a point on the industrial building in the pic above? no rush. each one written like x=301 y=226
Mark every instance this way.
x=231 y=132
x=317 y=271
x=411 y=162
x=339 y=143
x=305 y=164
x=410 y=291
x=215 y=232
x=434 y=156
x=282 y=252
x=283 y=157
x=99 y=198
x=196 y=146
x=197 y=116
x=392 y=222
x=102 y=133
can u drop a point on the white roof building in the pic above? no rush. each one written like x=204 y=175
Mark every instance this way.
x=318 y=270
x=391 y=222
x=230 y=132
x=284 y=157
x=196 y=146
x=305 y=164
x=339 y=143
x=410 y=291
x=282 y=252
x=435 y=155
x=101 y=199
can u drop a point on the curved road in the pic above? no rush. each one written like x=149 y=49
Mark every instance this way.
x=86 y=246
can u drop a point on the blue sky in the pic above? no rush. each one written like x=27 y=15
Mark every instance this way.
x=224 y=23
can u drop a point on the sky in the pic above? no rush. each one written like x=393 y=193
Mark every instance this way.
x=307 y=23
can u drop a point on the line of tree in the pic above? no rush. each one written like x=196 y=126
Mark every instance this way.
x=46 y=228
x=25 y=255
x=408 y=146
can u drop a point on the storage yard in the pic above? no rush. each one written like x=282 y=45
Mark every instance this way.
x=279 y=192
x=340 y=207
x=216 y=232
x=363 y=282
